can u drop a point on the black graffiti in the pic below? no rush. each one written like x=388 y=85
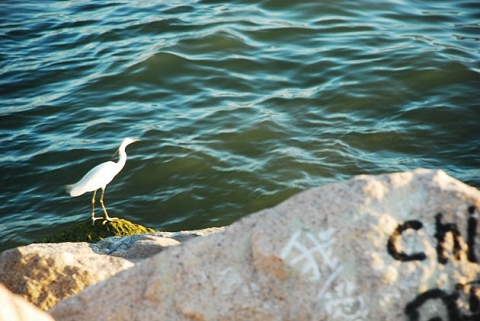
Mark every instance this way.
x=441 y=231
x=449 y=301
x=474 y=300
x=402 y=256
x=471 y=230
x=412 y=308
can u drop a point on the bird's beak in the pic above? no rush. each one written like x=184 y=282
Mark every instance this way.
x=114 y=154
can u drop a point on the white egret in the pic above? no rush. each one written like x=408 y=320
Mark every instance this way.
x=99 y=177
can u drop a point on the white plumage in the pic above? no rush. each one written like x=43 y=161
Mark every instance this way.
x=99 y=177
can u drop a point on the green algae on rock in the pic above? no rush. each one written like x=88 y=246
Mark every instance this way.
x=86 y=232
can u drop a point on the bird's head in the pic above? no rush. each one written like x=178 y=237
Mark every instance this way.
x=127 y=141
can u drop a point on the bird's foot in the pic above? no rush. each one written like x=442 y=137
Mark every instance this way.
x=109 y=219
x=96 y=218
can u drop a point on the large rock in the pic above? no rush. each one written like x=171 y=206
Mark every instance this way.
x=403 y=246
x=14 y=308
x=45 y=274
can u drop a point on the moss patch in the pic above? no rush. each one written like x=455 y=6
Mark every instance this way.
x=87 y=232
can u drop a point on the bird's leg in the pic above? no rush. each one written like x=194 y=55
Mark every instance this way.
x=93 y=208
x=106 y=218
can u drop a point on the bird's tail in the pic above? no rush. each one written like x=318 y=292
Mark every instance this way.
x=68 y=188
x=75 y=189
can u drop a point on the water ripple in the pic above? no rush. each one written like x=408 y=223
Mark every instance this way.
x=239 y=104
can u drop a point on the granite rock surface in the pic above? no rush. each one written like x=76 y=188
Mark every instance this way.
x=15 y=308
x=402 y=246
x=46 y=273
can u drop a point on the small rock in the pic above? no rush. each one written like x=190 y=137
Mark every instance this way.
x=92 y=233
x=134 y=248
x=45 y=274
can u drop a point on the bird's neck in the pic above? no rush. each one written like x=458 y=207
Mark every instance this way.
x=123 y=157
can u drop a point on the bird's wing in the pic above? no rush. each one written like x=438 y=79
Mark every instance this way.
x=97 y=177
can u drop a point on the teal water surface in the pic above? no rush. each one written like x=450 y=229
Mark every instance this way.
x=239 y=104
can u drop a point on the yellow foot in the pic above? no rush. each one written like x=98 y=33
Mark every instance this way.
x=108 y=219
x=96 y=218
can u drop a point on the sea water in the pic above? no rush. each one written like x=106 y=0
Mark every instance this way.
x=238 y=104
